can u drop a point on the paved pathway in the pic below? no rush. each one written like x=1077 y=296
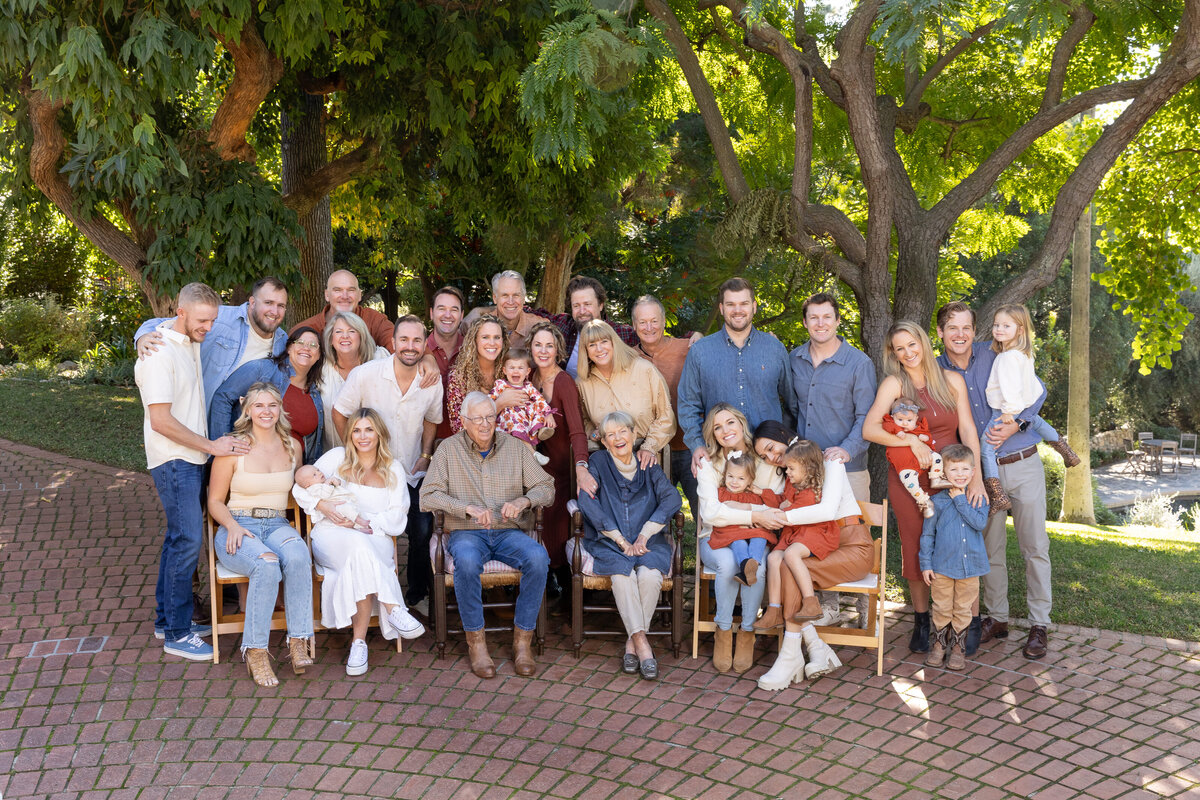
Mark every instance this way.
x=90 y=707
x=1118 y=487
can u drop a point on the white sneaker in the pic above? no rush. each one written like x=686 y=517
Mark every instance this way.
x=408 y=625
x=356 y=664
x=541 y=459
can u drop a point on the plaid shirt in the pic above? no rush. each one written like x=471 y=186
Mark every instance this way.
x=459 y=476
x=570 y=330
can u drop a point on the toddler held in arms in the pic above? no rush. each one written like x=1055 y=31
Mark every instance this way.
x=748 y=544
x=905 y=421
x=532 y=420
x=322 y=488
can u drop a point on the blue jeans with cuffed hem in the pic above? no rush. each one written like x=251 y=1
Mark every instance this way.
x=722 y=561
x=472 y=549
x=178 y=483
x=291 y=564
x=755 y=548
x=987 y=452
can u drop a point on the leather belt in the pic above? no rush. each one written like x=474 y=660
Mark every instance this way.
x=846 y=522
x=257 y=513
x=1020 y=455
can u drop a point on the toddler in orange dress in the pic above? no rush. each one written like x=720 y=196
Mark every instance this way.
x=749 y=544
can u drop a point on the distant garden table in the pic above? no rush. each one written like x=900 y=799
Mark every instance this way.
x=1154 y=449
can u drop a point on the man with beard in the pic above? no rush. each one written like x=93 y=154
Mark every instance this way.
x=392 y=386
x=342 y=293
x=739 y=365
x=177 y=446
x=239 y=334
x=446 y=314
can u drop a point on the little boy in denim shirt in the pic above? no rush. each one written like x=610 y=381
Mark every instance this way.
x=952 y=558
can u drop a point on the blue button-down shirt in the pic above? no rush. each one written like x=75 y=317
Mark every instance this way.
x=753 y=378
x=221 y=351
x=977 y=373
x=832 y=400
x=952 y=539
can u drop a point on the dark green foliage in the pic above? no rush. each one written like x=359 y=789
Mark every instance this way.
x=32 y=330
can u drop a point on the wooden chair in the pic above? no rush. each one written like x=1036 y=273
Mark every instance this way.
x=1187 y=447
x=670 y=601
x=1143 y=436
x=319 y=578
x=220 y=576
x=495 y=573
x=873 y=586
x=1170 y=453
x=1135 y=459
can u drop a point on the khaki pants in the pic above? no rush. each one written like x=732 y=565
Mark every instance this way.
x=1025 y=482
x=636 y=595
x=952 y=601
x=860 y=484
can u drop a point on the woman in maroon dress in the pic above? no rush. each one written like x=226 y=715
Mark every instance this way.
x=912 y=371
x=568 y=443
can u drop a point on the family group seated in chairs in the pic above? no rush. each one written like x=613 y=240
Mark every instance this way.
x=542 y=451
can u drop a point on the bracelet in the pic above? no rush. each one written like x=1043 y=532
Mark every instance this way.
x=583 y=464
x=426 y=455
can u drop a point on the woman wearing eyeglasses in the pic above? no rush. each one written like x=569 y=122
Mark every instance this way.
x=296 y=373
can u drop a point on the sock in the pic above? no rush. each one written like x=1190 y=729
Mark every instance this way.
x=809 y=632
x=792 y=634
x=774 y=605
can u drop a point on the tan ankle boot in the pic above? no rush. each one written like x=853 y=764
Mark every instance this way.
x=523 y=663
x=298 y=651
x=723 y=651
x=771 y=618
x=477 y=653
x=743 y=651
x=810 y=609
x=258 y=663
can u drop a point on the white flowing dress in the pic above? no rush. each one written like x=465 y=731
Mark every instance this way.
x=354 y=564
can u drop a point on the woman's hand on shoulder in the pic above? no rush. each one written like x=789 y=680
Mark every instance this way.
x=646 y=459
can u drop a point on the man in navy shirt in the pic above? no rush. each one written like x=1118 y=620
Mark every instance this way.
x=739 y=365
x=1022 y=476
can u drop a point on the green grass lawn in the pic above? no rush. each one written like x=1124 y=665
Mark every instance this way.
x=1119 y=578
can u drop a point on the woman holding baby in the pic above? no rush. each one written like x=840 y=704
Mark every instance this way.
x=912 y=372
x=357 y=498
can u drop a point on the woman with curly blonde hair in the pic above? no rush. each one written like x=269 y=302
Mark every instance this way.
x=247 y=498
x=479 y=362
x=353 y=548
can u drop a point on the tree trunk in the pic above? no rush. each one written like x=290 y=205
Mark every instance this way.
x=560 y=259
x=1077 y=487
x=303 y=150
x=391 y=296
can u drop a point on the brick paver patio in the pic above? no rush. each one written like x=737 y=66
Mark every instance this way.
x=97 y=710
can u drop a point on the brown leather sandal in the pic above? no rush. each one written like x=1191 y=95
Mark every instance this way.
x=258 y=662
x=298 y=652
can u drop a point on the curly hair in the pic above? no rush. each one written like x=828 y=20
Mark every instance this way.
x=351 y=468
x=466 y=371
x=810 y=458
x=243 y=428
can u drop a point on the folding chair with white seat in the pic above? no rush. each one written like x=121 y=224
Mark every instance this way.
x=1187 y=447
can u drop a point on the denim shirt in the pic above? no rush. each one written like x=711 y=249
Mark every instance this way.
x=952 y=539
x=226 y=403
x=832 y=400
x=977 y=374
x=753 y=378
x=222 y=348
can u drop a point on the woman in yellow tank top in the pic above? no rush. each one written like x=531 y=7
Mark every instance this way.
x=247 y=497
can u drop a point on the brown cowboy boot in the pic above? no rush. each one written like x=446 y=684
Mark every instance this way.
x=477 y=653
x=523 y=663
x=1070 y=457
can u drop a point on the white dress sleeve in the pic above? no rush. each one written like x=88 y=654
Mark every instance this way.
x=393 y=519
x=328 y=464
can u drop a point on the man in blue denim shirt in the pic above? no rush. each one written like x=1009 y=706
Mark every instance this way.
x=835 y=386
x=1022 y=476
x=240 y=334
x=739 y=365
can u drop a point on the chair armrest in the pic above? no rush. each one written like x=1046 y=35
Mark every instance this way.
x=439 y=536
x=538 y=526
x=577 y=550
x=677 y=550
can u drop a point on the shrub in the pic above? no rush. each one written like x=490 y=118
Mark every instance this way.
x=1156 y=510
x=1055 y=471
x=32 y=329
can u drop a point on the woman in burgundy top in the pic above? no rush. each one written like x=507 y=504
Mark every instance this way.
x=567 y=445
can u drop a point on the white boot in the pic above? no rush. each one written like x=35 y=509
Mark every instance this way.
x=831 y=609
x=788 y=667
x=821 y=658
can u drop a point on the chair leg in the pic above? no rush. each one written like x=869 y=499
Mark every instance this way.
x=439 y=614
x=540 y=632
x=677 y=615
x=577 y=614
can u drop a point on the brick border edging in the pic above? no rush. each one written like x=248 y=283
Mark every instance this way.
x=76 y=463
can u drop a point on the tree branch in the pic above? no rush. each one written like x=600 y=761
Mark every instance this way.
x=305 y=196
x=913 y=97
x=1082 y=20
x=256 y=70
x=324 y=85
x=706 y=101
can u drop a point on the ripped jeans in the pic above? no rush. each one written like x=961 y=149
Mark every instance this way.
x=275 y=553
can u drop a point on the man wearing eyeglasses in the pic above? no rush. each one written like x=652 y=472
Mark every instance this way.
x=486 y=482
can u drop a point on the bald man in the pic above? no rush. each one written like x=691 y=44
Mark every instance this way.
x=343 y=294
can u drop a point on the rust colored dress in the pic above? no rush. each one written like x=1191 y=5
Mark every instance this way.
x=943 y=429
x=564 y=448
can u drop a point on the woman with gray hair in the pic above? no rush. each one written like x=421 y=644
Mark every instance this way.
x=348 y=344
x=622 y=533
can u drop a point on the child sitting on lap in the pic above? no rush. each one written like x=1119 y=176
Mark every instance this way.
x=531 y=421
x=749 y=545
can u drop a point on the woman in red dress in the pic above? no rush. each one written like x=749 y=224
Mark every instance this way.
x=912 y=371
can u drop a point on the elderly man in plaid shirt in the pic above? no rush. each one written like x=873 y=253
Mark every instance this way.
x=486 y=482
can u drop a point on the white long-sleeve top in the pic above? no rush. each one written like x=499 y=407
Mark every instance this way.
x=837 y=497
x=385 y=509
x=1012 y=385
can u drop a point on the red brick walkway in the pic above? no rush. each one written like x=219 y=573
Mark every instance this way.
x=105 y=714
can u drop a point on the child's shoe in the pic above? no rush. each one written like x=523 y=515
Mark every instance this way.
x=997 y=497
x=1069 y=456
x=810 y=609
x=926 y=509
x=740 y=577
x=541 y=459
x=771 y=618
x=937 y=650
x=749 y=572
x=956 y=660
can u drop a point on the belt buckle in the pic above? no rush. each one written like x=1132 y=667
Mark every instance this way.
x=263 y=513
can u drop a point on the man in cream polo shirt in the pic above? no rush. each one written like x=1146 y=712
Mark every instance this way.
x=392 y=386
x=171 y=383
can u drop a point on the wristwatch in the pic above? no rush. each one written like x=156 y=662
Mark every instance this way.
x=1023 y=425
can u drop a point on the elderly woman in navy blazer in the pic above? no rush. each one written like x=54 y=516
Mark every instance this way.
x=623 y=532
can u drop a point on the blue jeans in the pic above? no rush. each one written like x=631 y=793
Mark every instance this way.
x=987 y=452
x=755 y=548
x=681 y=476
x=419 y=530
x=722 y=561
x=178 y=483
x=292 y=565
x=472 y=549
